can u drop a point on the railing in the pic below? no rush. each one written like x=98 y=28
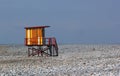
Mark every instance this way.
x=40 y=41
x=54 y=43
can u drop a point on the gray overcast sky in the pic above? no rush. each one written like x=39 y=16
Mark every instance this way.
x=71 y=21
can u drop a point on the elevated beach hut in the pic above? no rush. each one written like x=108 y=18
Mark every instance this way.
x=38 y=44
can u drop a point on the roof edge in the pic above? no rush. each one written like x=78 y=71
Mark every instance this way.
x=32 y=27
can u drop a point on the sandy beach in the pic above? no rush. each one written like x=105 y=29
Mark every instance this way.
x=73 y=60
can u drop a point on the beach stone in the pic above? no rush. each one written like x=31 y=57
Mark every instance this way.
x=19 y=73
x=73 y=60
x=2 y=74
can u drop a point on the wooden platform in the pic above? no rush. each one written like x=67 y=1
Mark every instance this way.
x=48 y=48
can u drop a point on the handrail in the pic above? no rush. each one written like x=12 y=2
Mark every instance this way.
x=41 y=41
x=55 y=43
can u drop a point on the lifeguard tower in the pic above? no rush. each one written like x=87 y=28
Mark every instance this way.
x=38 y=44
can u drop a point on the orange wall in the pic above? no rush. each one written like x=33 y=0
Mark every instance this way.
x=34 y=36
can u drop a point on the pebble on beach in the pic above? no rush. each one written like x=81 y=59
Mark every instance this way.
x=73 y=60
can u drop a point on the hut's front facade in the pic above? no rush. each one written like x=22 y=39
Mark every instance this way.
x=35 y=35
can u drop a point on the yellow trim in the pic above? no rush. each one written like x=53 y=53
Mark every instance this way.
x=28 y=36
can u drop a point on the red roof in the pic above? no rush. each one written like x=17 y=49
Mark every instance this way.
x=36 y=27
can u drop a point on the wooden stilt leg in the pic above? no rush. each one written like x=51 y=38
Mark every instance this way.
x=28 y=52
x=50 y=50
x=32 y=52
x=38 y=52
x=56 y=52
x=53 y=49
